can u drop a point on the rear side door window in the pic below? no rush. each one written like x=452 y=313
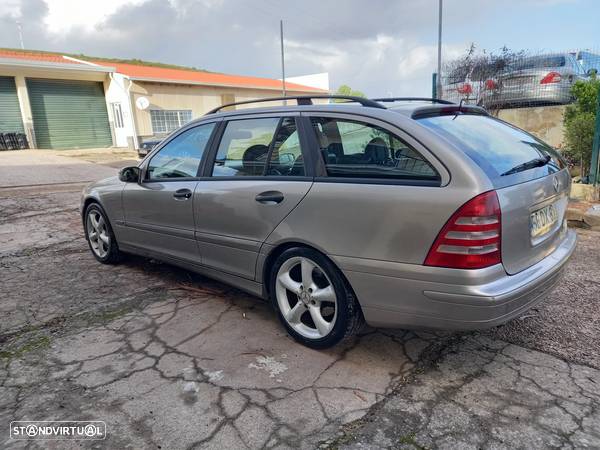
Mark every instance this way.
x=354 y=149
x=259 y=147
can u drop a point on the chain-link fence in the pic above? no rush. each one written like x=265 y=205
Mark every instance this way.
x=517 y=79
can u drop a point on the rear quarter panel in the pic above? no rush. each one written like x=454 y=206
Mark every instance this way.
x=369 y=221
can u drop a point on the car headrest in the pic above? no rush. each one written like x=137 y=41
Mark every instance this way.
x=254 y=159
x=377 y=150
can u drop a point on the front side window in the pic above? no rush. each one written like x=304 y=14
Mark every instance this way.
x=165 y=121
x=259 y=147
x=181 y=156
x=359 y=150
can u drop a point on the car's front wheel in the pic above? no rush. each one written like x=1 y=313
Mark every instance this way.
x=314 y=302
x=100 y=236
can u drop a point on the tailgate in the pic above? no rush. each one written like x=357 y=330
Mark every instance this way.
x=533 y=216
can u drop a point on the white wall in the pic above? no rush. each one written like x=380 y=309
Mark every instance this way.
x=117 y=93
x=316 y=80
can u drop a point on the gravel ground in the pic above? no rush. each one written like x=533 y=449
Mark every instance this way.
x=567 y=323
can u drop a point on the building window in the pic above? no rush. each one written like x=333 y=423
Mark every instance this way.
x=227 y=99
x=117 y=115
x=165 y=121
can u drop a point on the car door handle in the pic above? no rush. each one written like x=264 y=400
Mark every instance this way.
x=269 y=197
x=182 y=194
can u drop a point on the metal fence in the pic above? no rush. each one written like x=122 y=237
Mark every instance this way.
x=510 y=79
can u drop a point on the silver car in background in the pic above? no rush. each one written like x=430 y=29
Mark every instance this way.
x=534 y=80
x=407 y=214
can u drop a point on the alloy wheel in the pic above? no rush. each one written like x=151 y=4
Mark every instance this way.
x=98 y=233
x=306 y=297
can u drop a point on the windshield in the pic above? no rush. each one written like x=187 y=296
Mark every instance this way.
x=495 y=146
x=589 y=61
x=538 y=62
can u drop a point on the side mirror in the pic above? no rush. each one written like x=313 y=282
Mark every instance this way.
x=592 y=72
x=129 y=174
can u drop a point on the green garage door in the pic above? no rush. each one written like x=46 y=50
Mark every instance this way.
x=10 y=113
x=69 y=114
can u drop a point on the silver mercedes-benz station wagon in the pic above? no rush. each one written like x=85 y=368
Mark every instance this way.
x=407 y=213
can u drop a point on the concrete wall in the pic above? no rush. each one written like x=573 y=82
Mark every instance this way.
x=545 y=122
x=198 y=99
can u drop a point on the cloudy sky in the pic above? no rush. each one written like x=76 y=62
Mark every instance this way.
x=381 y=47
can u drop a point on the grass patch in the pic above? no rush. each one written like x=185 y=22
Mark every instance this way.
x=108 y=316
x=35 y=337
x=409 y=439
x=33 y=343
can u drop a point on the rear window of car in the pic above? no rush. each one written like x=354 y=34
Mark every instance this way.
x=494 y=145
x=538 y=62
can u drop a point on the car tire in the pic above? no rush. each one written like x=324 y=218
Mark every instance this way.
x=313 y=300
x=100 y=236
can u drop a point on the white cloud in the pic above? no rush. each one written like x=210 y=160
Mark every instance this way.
x=64 y=15
x=10 y=8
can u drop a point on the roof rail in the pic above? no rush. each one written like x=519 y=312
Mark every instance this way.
x=305 y=100
x=414 y=99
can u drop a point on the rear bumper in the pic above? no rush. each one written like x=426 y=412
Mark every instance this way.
x=543 y=93
x=409 y=296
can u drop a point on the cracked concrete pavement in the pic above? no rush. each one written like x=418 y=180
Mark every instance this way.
x=485 y=393
x=169 y=359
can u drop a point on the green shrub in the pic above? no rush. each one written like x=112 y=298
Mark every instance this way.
x=580 y=120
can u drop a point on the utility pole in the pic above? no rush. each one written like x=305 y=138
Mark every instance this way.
x=20 y=34
x=282 y=58
x=439 y=56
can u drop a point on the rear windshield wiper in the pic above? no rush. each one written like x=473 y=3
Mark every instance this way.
x=536 y=162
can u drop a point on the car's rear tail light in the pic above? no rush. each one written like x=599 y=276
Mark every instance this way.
x=471 y=237
x=466 y=88
x=490 y=84
x=552 y=77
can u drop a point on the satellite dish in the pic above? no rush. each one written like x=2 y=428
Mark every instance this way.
x=142 y=103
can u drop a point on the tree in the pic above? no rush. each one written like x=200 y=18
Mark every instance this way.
x=580 y=120
x=344 y=89
x=477 y=69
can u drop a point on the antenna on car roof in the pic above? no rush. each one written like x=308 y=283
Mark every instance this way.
x=413 y=99
x=305 y=100
x=459 y=110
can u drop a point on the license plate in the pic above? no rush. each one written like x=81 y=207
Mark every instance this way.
x=543 y=220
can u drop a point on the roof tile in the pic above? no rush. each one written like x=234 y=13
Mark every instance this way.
x=153 y=73
x=35 y=56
